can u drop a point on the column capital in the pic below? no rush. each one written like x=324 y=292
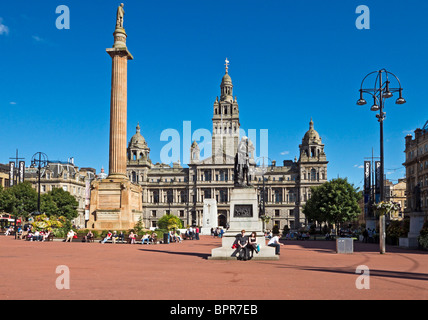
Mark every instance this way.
x=119 y=51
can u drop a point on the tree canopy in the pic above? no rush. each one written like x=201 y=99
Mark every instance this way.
x=335 y=201
x=21 y=200
x=170 y=222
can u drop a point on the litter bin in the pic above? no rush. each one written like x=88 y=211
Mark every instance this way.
x=345 y=245
x=166 y=238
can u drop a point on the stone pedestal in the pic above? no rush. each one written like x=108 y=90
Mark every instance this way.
x=243 y=216
x=209 y=218
x=115 y=205
x=416 y=224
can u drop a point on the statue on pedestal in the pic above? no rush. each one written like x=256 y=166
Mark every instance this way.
x=417 y=198
x=119 y=16
x=242 y=164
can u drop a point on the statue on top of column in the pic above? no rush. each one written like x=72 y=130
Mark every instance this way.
x=119 y=16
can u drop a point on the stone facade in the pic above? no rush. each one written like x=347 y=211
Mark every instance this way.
x=181 y=190
x=65 y=175
x=416 y=165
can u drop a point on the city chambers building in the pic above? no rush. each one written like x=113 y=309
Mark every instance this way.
x=181 y=191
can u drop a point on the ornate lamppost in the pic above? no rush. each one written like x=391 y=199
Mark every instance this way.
x=379 y=93
x=39 y=160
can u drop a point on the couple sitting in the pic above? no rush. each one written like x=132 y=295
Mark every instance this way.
x=246 y=245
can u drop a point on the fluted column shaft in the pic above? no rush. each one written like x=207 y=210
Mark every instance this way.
x=118 y=115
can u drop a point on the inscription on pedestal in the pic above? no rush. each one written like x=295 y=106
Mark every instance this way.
x=243 y=211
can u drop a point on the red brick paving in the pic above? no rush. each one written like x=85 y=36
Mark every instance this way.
x=306 y=270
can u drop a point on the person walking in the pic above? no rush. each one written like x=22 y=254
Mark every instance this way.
x=197 y=232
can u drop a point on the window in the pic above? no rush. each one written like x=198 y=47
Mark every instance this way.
x=207 y=175
x=313 y=175
x=153 y=213
x=277 y=212
x=278 y=196
x=223 y=195
x=223 y=175
x=183 y=196
x=155 y=196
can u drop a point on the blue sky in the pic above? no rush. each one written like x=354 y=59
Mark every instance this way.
x=289 y=61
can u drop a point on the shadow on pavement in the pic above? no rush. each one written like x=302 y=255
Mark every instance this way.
x=194 y=254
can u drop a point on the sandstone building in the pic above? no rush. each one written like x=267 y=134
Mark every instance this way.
x=416 y=165
x=181 y=190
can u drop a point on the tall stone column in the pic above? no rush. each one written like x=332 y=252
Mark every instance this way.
x=116 y=203
x=118 y=105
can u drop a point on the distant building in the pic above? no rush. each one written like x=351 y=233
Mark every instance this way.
x=4 y=175
x=69 y=177
x=396 y=193
x=181 y=190
x=416 y=165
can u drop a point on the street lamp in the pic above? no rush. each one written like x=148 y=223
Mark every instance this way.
x=380 y=92
x=261 y=170
x=39 y=160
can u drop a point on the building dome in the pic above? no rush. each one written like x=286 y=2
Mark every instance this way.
x=311 y=136
x=226 y=79
x=137 y=141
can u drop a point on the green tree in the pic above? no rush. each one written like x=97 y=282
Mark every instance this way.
x=170 y=222
x=66 y=204
x=21 y=199
x=48 y=205
x=335 y=201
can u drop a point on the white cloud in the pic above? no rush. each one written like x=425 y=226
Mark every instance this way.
x=37 y=38
x=3 y=28
x=12 y=103
x=285 y=152
x=358 y=166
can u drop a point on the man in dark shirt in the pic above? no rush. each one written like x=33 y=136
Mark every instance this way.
x=243 y=246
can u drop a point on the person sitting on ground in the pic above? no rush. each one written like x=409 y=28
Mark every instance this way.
x=274 y=242
x=107 y=237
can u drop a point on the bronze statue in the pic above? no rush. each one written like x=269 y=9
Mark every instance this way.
x=417 y=198
x=119 y=16
x=242 y=164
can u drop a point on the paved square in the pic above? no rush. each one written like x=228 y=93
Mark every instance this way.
x=306 y=270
